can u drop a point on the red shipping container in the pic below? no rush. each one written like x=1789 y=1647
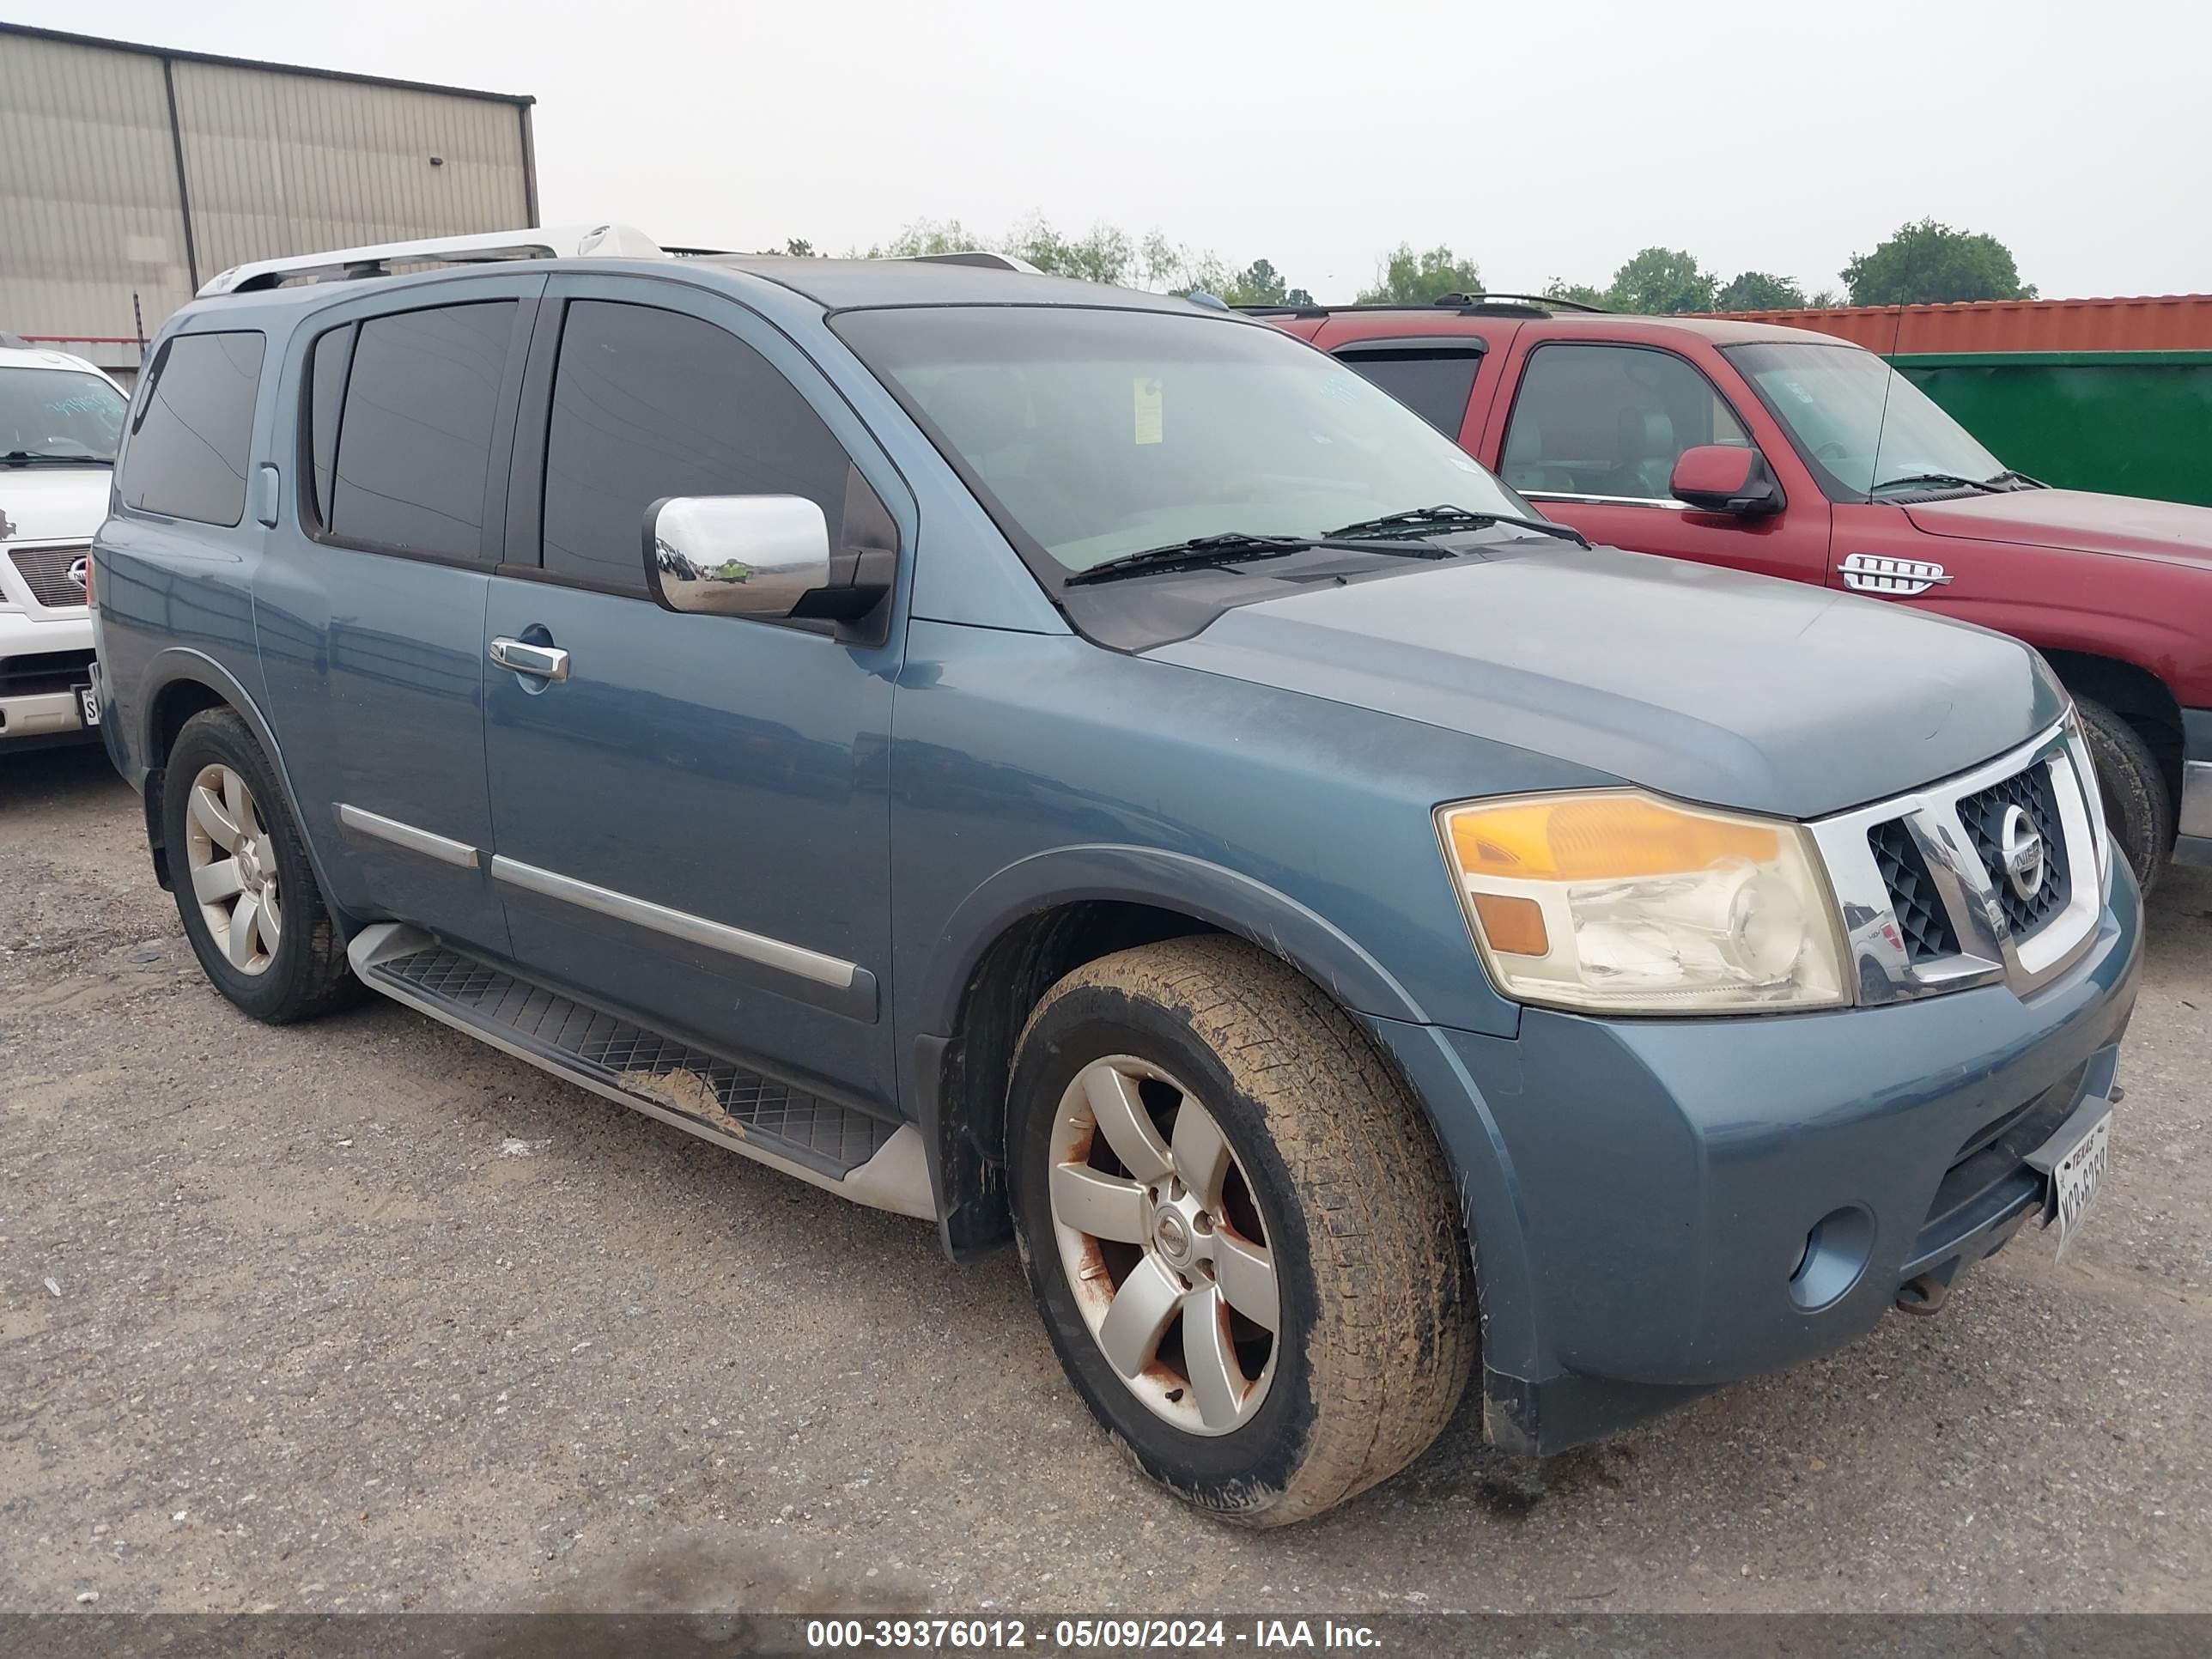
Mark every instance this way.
x=2173 y=322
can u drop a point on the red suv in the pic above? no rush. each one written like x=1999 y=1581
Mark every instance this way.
x=1794 y=455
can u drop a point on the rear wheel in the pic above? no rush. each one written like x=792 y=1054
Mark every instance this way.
x=1239 y=1229
x=244 y=887
x=2138 y=806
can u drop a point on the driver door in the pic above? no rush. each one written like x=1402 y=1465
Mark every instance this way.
x=1591 y=434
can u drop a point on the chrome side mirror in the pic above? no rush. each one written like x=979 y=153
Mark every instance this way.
x=736 y=556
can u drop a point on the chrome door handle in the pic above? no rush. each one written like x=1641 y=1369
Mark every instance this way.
x=547 y=662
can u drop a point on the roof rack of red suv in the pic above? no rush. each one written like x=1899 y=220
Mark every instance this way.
x=1460 y=305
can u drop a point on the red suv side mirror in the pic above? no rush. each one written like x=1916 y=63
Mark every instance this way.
x=1725 y=478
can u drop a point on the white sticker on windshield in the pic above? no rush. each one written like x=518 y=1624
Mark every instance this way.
x=1150 y=421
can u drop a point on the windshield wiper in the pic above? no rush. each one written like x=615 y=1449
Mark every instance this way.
x=2017 y=480
x=1937 y=481
x=1233 y=547
x=42 y=458
x=1417 y=520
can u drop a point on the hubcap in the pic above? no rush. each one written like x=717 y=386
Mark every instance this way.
x=233 y=868
x=1164 y=1248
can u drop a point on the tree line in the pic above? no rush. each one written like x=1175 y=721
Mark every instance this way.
x=1922 y=264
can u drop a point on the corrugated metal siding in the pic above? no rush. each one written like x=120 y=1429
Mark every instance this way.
x=275 y=161
x=280 y=164
x=2175 y=322
x=88 y=206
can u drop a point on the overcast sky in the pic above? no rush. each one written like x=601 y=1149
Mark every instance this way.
x=1542 y=140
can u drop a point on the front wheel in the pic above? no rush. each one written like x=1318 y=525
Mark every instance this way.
x=1239 y=1229
x=2138 y=806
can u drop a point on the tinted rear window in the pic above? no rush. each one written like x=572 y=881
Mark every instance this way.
x=1435 y=385
x=414 y=440
x=189 y=438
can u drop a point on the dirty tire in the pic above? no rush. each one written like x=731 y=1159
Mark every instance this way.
x=308 y=974
x=1375 y=1282
x=2138 y=806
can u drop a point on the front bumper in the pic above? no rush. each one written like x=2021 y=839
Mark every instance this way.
x=39 y=669
x=1640 y=1193
x=2193 y=843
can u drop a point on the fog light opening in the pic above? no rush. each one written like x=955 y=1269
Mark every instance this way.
x=1836 y=1253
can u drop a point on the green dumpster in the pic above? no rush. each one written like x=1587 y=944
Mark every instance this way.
x=2127 y=422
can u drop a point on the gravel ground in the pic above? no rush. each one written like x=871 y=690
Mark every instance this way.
x=364 y=1316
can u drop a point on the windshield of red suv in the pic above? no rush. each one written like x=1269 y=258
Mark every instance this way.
x=59 y=417
x=1867 y=429
x=1103 y=433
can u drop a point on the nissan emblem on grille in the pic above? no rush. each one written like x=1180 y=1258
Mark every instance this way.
x=1870 y=572
x=2023 y=852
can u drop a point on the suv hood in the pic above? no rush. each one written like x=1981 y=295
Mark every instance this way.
x=2075 y=519
x=1706 y=684
x=52 y=503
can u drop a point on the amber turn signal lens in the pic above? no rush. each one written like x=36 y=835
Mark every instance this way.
x=1515 y=926
x=1599 y=837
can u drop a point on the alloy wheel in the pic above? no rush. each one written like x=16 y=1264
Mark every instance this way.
x=231 y=859
x=1160 y=1237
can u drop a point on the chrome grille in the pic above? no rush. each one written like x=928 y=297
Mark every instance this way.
x=1921 y=917
x=1985 y=814
x=46 y=571
x=1931 y=902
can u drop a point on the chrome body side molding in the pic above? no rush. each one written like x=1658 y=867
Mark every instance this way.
x=794 y=959
x=357 y=822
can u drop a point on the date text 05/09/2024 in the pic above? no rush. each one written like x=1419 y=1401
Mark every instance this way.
x=1088 y=1635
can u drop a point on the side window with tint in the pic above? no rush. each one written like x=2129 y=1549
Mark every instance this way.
x=1434 y=383
x=649 y=403
x=189 y=438
x=1608 y=420
x=413 y=439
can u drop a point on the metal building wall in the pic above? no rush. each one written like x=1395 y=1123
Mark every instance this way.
x=278 y=164
x=130 y=171
x=89 y=212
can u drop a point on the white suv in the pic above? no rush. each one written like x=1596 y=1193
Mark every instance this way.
x=60 y=421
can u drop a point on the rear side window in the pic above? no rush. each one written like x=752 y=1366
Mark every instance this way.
x=327 y=375
x=194 y=424
x=1435 y=384
x=414 y=434
x=649 y=403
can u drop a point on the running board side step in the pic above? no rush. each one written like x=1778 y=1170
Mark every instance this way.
x=834 y=1147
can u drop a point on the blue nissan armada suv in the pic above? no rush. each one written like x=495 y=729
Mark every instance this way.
x=1083 y=765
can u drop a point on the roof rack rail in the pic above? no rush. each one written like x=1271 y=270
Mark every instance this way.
x=1460 y=305
x=607 y=242
x=984 y=256
x=1542 y=302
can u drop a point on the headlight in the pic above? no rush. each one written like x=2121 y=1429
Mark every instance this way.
x=1622 y=903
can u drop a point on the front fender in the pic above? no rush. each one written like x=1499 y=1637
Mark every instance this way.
x=1307 y=941
x=1213 y=893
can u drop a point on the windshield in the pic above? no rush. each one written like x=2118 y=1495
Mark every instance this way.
x=58 y=415
x=1105 y=432
x=1857 y=420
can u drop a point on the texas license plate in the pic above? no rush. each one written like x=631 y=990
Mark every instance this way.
x=2074 y=1162
x=89 y=701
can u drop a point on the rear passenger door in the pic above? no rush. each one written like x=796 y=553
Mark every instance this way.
x=691 y=821
x=370 y=611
